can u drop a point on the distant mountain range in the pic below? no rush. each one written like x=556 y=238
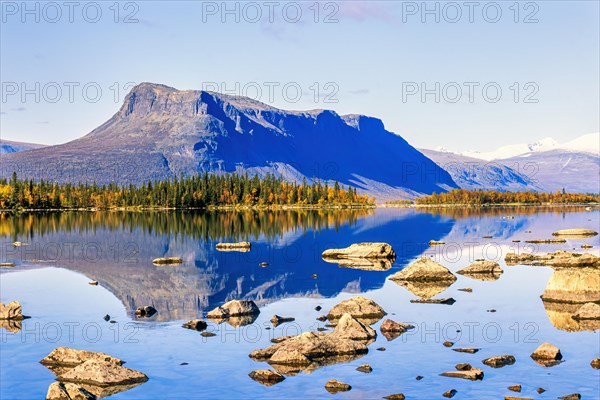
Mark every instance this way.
x=161 y=132
x=545 y=165
x=8 y=146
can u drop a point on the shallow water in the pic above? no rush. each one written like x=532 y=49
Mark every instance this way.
x=64 y=251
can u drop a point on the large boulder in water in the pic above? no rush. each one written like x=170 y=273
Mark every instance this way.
x=102 y=373
x=67 y=357
x=362 y=250
x=424 y=270
x=558 y=259
x=11 y=311
x=234 y=308
x=358 y=307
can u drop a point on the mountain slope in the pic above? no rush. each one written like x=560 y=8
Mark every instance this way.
x=161 y=132
x=476 y=174
x=574 y=171
x=9 y=146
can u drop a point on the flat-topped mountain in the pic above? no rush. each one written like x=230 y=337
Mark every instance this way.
x=161 y=132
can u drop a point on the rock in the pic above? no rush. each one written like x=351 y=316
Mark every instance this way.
x=392 y=326
x=318 y=308
x=277 y=320
x=418 y=377
x=471 y=373
x=448 y=344
x=424 y=270
x=560 y=259
x=167 y=261
x=380 y=349
x=93 y=283
x=322 y=318
x=396 y=396
x=264 y=264
x=515 y=388
x=11 y=311
x=546 y=241
x=469 y=350
x=240 y=246
x=586 y=246
x=196 y=324
x=587 y=311
x=266 y=376
x=595 y=363
x=208 y=334
x=482 y=266
x=487 y=237
x=361 y=250
x=463 y=367
x=68 y=391
x=547 y=355
x=574 y=396
x=308 y=347
x=366 y=368
x=575 y=232
x=358 y=307
x=68 y=357
x=334 y=386
x=446 y=300
x=102 y=373
x=314 y=276
x=234 y=308
x=107 y=318
x=540 y=390
x=499 y=361
x=517 y=398
x=146 y=311
x=436 y=243
x=7 y=265
x=467 y=289
x=450 y=393
x=573 y=285
x=482 y=270
x=350 y=328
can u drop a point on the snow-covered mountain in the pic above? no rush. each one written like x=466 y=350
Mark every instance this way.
x=477 y=174
x=589 y=143
x=545 y=165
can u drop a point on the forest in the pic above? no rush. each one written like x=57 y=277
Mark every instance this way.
x=477 y=198
x=198 y=191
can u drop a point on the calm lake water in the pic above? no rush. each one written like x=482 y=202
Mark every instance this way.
x=66 y=250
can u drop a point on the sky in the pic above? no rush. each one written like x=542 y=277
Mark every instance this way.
x=459 y=75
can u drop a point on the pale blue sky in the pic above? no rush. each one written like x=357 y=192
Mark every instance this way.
x=372 y=54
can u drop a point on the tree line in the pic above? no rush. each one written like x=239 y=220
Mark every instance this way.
x=198 y=191
x=480 y=197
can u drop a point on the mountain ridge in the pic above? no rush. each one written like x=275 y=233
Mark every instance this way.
x=160 y=132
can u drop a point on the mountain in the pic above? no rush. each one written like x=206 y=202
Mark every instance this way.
x=161 y=132
x=8 y=146
x=545 y=165
x=574 y=171
x=477 y=174
x=589 y=143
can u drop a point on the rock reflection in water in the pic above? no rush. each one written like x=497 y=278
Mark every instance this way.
x=566 y=291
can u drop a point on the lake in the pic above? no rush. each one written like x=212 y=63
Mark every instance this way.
x=504 y=315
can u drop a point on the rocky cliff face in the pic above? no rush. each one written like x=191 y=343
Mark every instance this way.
x=161 y=132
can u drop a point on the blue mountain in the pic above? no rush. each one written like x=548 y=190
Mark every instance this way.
x=161 y=132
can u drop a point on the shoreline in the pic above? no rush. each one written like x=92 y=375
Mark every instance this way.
x=302 y=207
